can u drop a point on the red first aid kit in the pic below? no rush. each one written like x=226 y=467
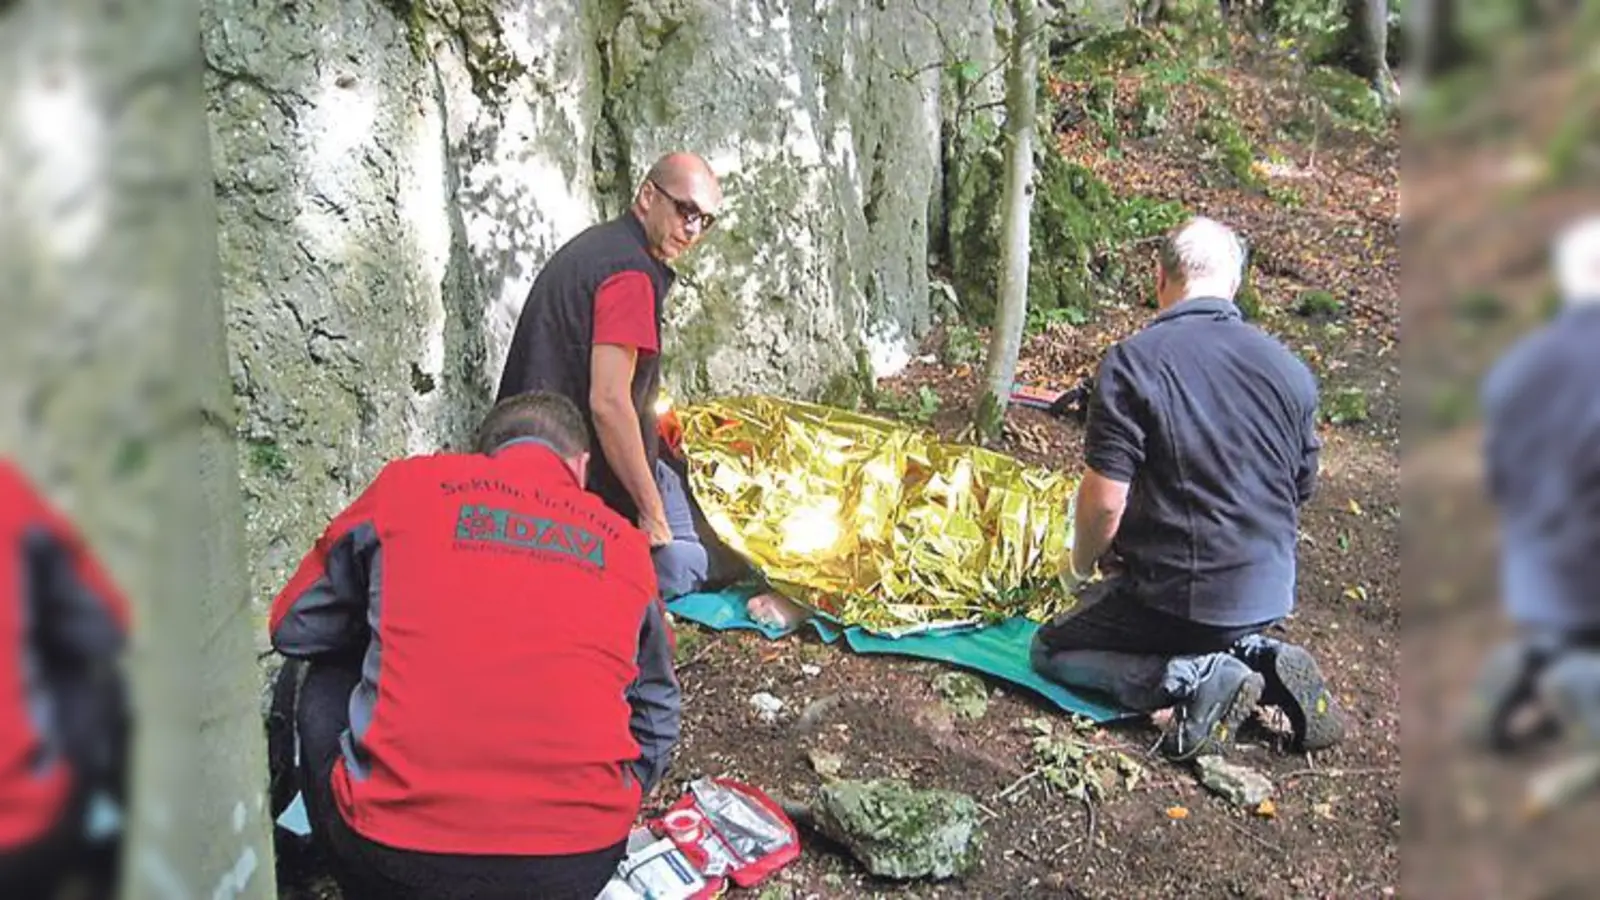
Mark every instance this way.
x=729 y=831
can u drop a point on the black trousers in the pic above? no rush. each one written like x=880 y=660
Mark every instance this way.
x=1114 y=623
x=1143 y=659
x=367 y=870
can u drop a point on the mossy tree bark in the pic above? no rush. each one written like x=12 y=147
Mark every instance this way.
x=1368 y=23
x=1016 y=206
x=115 y=400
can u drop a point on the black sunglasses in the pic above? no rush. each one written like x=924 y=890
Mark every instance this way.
x=692 y=216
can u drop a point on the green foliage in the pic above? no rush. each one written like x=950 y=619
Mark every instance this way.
x=1083 y=234
x=1480 y=307
x=918 y=408
x=1041 y=320
x=1115 y=51
x=1249 y=300
x=267 y=458
x=1451 y=406
x=1068 y=761
x=1285 y=196
x=689 y=643
x=850 y=388
x=1318 y=302
x=962 y=346
x=1100 y=105
x=1577 y=140
x=1315 y=29
x=1347 y=99
x=1150 y=110
x=1196 y=25
x=1229 y=146
x=1346 y=406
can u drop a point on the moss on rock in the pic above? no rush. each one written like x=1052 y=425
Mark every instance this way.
x=898 y=831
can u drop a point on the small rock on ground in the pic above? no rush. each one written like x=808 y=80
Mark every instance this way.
x=1238 y=784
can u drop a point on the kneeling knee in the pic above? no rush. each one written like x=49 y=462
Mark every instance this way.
x=680 y=568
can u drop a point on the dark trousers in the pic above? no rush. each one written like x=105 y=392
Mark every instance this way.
x=1142 y=658
x=367 y=870
x=697 y=559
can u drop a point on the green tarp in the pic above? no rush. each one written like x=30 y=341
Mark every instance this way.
x=1000 y=651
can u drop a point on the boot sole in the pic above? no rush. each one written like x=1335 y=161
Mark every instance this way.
x=1312 y=710
x=1240 y=706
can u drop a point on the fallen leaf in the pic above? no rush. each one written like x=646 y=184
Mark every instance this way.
x=1267 y=809
x=1355 y=509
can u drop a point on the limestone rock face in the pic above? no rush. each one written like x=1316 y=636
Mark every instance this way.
x=391 y=176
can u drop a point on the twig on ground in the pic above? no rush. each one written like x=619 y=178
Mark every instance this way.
x=698 y=657
x=1340 y=773
x=1017 y=785
x=1227 y=820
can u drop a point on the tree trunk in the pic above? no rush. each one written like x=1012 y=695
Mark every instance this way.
x=1433 y=38
x=114 y=398
x=1368 y=23
x=1016 y=207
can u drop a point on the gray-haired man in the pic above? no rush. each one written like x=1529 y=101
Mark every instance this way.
x=1542 y=445
x=1200 y=449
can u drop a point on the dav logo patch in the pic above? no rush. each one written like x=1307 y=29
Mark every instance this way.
x=488 y=525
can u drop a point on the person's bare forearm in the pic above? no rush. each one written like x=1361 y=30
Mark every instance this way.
x=1092 y=536
x=1095 y=524
x=617 y=427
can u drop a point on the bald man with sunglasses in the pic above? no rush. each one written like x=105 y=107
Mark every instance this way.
x=591 y=331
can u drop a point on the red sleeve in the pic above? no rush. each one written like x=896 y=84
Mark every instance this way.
x=625 y=312
x=35 y=510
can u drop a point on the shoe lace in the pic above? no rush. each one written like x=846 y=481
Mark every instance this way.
x=1180 y=717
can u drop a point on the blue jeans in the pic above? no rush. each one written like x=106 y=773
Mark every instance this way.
x=1142 y=658
x=682 y=565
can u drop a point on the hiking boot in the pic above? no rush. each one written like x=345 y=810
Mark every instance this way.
x=1570 y=686
x=1206 y=720
x=1294 y=684
x=1504 y=687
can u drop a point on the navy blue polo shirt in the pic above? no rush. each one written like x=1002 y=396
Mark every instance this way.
x=1541 y=410
x=1213 y=423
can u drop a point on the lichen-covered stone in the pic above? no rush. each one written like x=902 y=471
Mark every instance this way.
x=898 y=831
x=966 y=695
x=1238 y=784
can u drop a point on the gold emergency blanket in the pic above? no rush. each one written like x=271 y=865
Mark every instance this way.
x=876 y=523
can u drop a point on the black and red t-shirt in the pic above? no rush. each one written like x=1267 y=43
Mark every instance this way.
x=602 y=287
x=625 y=313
